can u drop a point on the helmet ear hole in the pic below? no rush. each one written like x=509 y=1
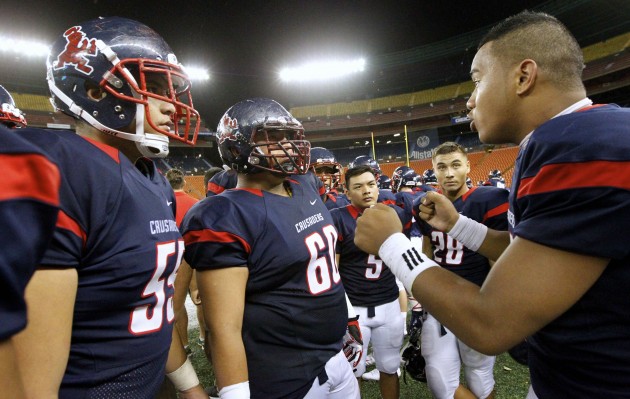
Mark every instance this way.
x=95 y=93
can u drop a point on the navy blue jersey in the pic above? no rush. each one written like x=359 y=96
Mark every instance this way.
x=487 y=205
x=571 y=191
x=500 y=183
x=116 y=226
x=366 y=278
x=295 y=309
x=220 y=182
x=29 y=202
x=404 y=200
x=335 y=200
x=386 y=197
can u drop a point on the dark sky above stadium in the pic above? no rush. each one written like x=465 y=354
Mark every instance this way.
x=245 y=43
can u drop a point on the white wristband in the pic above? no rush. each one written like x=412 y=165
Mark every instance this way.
x=469 y=233
x=184 y=377
x=235 y=391
x=403 y=259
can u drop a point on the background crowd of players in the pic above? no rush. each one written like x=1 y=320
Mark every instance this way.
x=94 y=236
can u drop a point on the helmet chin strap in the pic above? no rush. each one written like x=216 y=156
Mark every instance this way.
x=151 y=145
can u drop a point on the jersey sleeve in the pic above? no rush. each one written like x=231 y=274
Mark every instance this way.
x=576 y=199
x=28 y=209
x=495 y=206
x=215 y=235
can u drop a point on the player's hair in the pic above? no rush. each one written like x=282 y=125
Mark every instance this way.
x=176 y=178
x=357 y=171
x=447 y=148
x=542 y=38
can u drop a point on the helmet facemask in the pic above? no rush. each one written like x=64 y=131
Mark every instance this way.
x=271 y=137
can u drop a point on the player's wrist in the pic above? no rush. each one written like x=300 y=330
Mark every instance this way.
x=235 y=391
x=469 y=232
x=403 y=259
x=184 y=378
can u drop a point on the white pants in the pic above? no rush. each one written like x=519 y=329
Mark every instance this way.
x=531 y=394
x=444 y=355
x=386 y=332
x=341 y=383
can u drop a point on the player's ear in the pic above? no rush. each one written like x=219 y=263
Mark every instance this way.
x=527 y=74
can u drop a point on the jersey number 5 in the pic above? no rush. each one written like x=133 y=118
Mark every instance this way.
x=146 y=318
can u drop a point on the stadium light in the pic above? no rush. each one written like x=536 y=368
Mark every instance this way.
x=197 y=73
x=28 y=48
x=324 y=70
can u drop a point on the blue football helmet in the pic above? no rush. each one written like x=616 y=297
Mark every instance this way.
x=384 y=182
x=325 y=166
x=398 y=172
x=367 y=160
x=469 y=182
x=10 y=115
x=250 y=129
x=429 y=177
x=118 y=55
x=495 y=174
x=407 y=179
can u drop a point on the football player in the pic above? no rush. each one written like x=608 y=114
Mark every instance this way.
x=325 y=166
x=384 y=182
x=384 y=196
x=398 y=172
x=10 y=115
x=100 y=303
x=264 y=254
x=495 y=179
x=562 y=272
x=29 y=203
x=443 y=351
x=370 y=285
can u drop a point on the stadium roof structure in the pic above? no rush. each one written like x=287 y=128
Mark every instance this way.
x=409 y=46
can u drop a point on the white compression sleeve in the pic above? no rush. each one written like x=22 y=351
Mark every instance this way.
x=469 y=233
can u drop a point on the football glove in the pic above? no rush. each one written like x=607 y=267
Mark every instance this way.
x=353 y=343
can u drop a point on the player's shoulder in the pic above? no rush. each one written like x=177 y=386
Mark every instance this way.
x=486 y=193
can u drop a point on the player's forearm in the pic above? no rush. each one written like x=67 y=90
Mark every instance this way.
x=228 y=357
x=495 y=243
x=460 y=306
x=10 y=378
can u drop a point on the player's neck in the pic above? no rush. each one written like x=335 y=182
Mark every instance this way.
x=454 y=195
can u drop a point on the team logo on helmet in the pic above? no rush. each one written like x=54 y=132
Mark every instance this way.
x=228 y=126
x=76 y=51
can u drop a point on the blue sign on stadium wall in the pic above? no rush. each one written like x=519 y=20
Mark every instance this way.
x=460 y=119
x=421 y=143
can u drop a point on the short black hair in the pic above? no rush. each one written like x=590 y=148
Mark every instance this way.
x=357 y=171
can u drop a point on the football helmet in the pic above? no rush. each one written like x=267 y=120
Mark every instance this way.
x=396 y=176
x=414 y=363
x=469 y=182
x=384 y=182
x=248 y=132
x=325 y=166
x=429 y=177
x=121 y=56
x=367 y=160
x=495 y=174
x=407 y=179
x=10 y=115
